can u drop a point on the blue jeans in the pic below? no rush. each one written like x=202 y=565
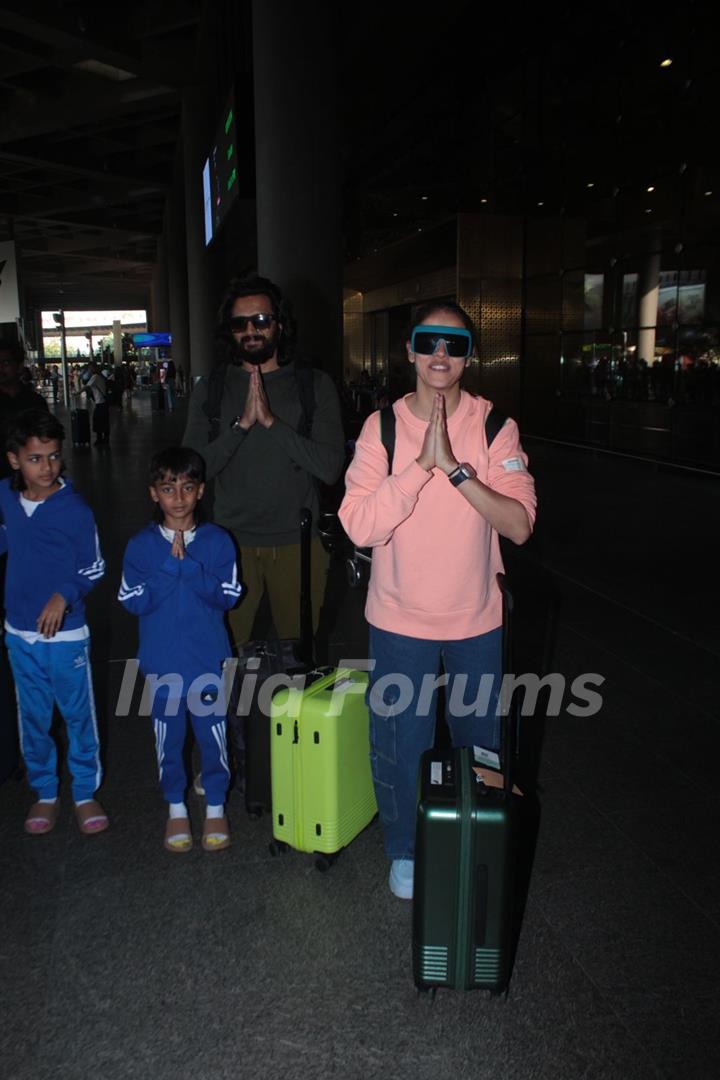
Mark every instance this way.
x=402 y=698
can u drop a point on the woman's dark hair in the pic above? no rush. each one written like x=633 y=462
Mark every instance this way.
x=33 y=424
x=250 y=283
x=177 y=461
x=424 y=311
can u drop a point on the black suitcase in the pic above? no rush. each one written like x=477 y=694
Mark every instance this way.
x=80 y=427
x=249 y=714
x=465 y=861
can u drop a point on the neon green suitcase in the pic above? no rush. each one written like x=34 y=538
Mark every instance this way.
x=322 y=789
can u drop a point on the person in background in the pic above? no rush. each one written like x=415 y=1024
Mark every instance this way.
x=96 y=389
x=15 y=394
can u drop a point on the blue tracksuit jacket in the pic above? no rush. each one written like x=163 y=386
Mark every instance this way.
x=181 y=601
x=54 y=550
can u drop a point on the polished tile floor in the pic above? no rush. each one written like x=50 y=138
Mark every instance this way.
x=122 y=962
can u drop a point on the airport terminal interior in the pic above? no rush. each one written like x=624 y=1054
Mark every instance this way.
x=556 y=174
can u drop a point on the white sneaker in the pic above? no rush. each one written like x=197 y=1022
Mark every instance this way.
x=401 y=878
x=198 y=785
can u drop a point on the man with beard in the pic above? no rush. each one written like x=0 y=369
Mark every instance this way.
x=269 y=430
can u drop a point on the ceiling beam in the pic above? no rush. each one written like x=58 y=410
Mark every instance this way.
x=73 y=39
x=28 y=119
x=74 y=169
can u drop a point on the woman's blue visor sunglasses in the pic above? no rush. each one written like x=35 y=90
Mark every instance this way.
x=425 y=339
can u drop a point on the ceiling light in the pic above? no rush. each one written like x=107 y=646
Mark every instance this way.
x=483 y=200
x=648 y=211
x=424 y=198
x=395 y=213
x=667 y=62
x=651 y=188
x=541 y=204
x=105 y=71
x=590 y=183
x=707 y=193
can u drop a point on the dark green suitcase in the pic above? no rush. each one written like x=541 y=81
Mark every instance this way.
x=465 y=855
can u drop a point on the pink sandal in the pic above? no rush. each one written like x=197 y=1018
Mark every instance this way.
x=91 y=818
x=41 y=817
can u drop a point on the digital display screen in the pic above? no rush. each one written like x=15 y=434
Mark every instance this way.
x=220 y=173
x=145 y=340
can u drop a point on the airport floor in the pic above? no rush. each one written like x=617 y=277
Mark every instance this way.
x=123 y=962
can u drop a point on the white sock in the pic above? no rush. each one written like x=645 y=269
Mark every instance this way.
x=214 y=811
x=79 y=802
x=178 y=809
x=55 y=800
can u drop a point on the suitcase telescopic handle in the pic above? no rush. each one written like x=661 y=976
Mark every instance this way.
x=508 y=705
x=306 y=630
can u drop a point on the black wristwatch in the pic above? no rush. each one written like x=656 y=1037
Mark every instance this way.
x=235 y=422
x=463 y=472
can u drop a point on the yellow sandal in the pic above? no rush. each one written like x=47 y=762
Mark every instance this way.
x=216 y=834
x=178 y=837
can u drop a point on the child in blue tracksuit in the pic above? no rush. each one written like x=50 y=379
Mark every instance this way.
x=180 y=577
x=53 y=561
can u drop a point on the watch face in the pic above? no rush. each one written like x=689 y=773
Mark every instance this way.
x=463 y=472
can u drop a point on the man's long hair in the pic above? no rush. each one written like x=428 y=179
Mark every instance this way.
x=250 y=283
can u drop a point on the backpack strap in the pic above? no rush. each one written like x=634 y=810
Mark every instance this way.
x=212 y=404
x=493 y=422
x=305 y=378
x=387 y=433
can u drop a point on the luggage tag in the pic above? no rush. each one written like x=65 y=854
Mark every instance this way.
x=488 y=770
x=493 y=779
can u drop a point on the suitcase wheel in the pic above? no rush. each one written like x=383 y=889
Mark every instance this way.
x=255 y=811
x=277 y=847
x=324 y=862
x=427 y=991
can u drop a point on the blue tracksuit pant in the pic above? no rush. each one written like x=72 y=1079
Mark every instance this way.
x=48 y=673
x=211 y=735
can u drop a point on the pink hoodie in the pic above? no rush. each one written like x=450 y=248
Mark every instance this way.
x=434 y=557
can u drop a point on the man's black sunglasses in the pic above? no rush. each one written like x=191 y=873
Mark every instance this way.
x=261 y=321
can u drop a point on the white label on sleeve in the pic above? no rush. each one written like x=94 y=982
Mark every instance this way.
x=513 y=464
x=436 y=772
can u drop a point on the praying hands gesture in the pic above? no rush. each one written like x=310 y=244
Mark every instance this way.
x=178 y=546
x=436 y=450
x=257 y=408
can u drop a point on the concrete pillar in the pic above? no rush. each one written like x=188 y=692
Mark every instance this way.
x=117 y=342
x=202 y=303
x=297 y=168
x=159 y=314
x=648 y=291
x=39 y=337
x=177 y=269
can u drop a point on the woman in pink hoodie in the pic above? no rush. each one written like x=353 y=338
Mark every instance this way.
x=434 y=527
